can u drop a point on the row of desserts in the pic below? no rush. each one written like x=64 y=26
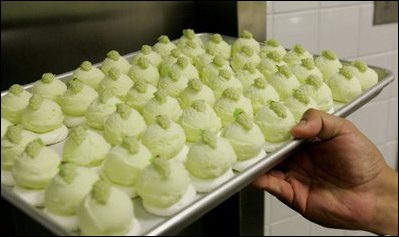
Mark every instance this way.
x=75 y=107
x=230 y=94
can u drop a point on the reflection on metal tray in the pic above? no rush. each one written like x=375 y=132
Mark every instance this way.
x=152 y=225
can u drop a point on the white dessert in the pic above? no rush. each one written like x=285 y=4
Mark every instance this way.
x=165 y=187
x=88 y=74
x=14 y=103
x=210 y=161
x=45 y=117
x=115 y=60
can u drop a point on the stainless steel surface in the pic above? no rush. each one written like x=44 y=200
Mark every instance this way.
x=204 y=203
x=251 y=16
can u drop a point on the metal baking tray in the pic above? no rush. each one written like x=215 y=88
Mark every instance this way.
x=153 y=225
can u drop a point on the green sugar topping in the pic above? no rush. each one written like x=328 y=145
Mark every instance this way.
x=114 y=73
x=301 y=96
x=174 y=75
x=143 y=63
x=105 y=95
x=209 y=138
x=346 y=72
x=35 y=102
x=308 y=63
x=314 y=80
x=217 y=38
x=260 y=83
x=360 y=65
x=218 y=61
x=146 y=49
x=141 y=86
x=275 y=56
x=86 y=66
x=244 y=120
x=131 y=144
x=75 y=85
x=195 y=84
x=199 y=105
x=182 y=62
x=329 y=54
x=176 y=52
x=162 y=166
x=232 y=93
x=191 y=44
x=163 y=39
x=285 y=71
x=160 y=96
x=278 y=109
x=225 y=74
x=246 y=34
x=299 y=49
x=250 y=67
x=16 y=89
x=114 y=55
x=47 y=78
x=123 y=110
x=163 y=121
x=14 y=134
x=272 y=42
x=34 y=147
x=68 y=172
x=189 y=33
x=101 y=191
x=78 y=134
x=247 y=51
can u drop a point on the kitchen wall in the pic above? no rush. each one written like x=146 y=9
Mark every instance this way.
x=345 y=27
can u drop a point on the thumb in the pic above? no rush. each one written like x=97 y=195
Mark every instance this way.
x=316 y=123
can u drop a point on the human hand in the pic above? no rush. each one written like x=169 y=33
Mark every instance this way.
x=340 y=180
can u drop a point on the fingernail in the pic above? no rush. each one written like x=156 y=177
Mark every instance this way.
x=302 y=123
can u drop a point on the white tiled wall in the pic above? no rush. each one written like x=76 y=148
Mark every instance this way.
x=345 y=27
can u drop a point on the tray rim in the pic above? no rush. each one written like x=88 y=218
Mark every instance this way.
x=209 y=200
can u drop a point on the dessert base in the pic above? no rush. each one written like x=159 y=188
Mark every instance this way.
x=6 y=178
x=31 y=196
x=129 y=190
x=70 y=223
x=331 y=111
x=182 y=155
x=185 y=200
x=243 y=164
x=270 y=147
x=136 y=229
x=55 y=136
x=72 y=121
x=206 y=185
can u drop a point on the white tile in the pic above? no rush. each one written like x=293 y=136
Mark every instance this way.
x=383 y=60
x=392 y=132
x=295 y=226
x=342 y=3
x=289 y=6
x=339 y=30
x=269 y=7
x=267 y=209
x=395 y=71
x=318 y=230
x=374 y=39
x=294 y=28
x=358 y=233
x=279 y=211
x=269 y=27
x=390 y=153
x=266 y=230
x=372 y=120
